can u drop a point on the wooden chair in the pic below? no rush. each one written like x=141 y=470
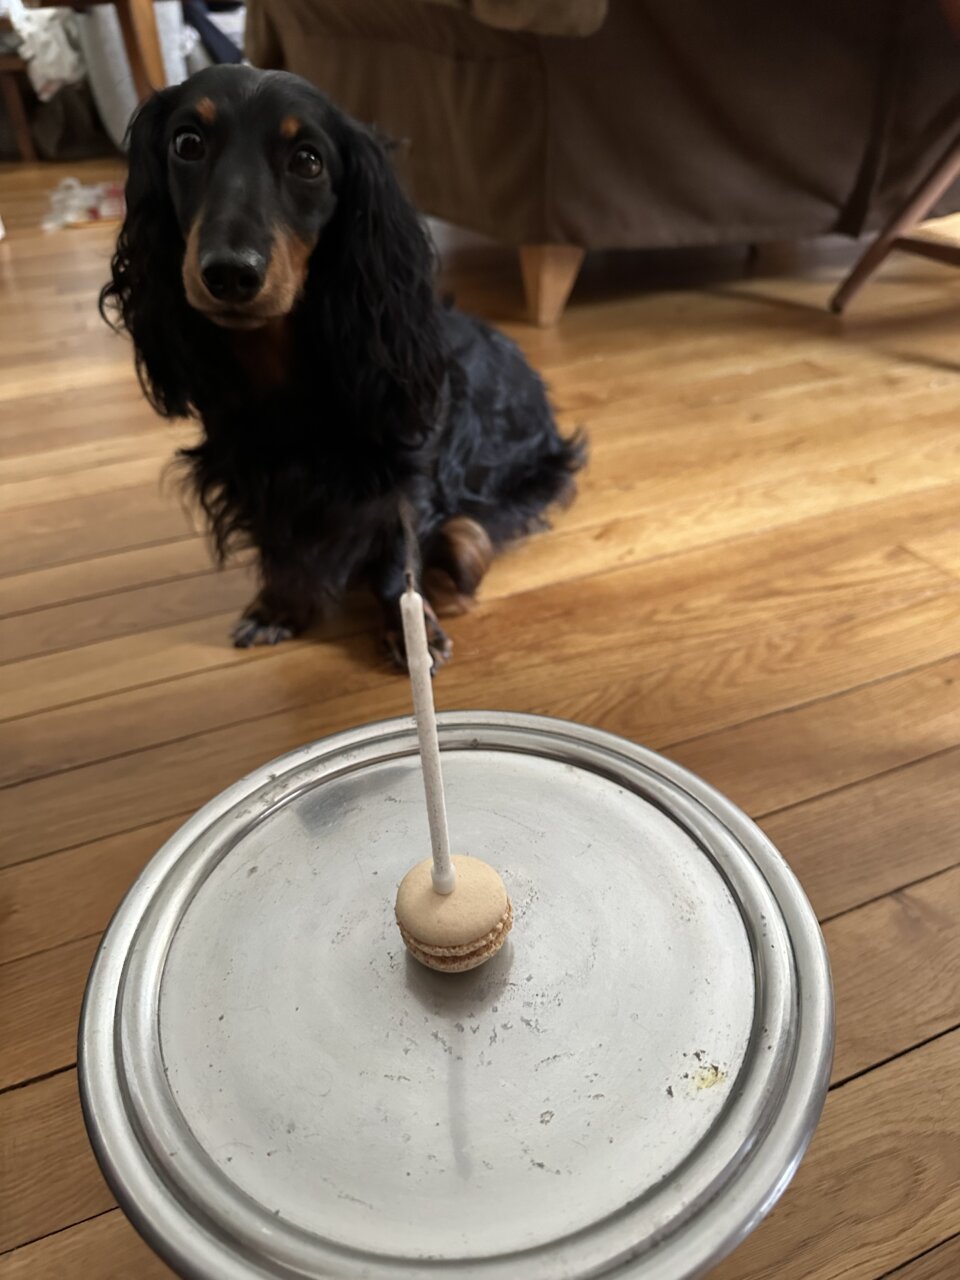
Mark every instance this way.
x=12 y=70
x=897 y=232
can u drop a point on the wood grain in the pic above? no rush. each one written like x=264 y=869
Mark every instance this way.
x=66 y=627
x=913 y=1158
x=941 y=1263
x=897 y=827
x=122 y=571
x=822 y=563
x=103 y=1248
x=896 y=972
x=941 y=548
x=773 y=762
x=210 y=693
x=48 y=1176
x=697 y=691
x=53 y=533
x=881 y=1181
x=39 y=1010
x=46 y=423
x=868 y=839
x=55 y=900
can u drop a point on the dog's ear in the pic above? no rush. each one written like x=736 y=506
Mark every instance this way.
x=372 y=280
x=145 y=294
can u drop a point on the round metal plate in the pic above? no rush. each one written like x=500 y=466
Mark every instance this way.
x=275 y=1089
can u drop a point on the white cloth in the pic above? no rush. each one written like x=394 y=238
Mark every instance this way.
x=110 y=80
x=51 y=46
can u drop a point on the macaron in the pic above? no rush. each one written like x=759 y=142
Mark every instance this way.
x=453 y=932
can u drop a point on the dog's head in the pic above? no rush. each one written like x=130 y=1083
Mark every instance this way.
x=249 y=197
x=253 y=170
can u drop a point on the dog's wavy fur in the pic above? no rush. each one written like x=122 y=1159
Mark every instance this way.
x=369 y=397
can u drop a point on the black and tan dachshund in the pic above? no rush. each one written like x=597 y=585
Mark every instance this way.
x=278 y=285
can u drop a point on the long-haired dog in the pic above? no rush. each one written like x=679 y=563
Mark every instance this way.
x=278 y=285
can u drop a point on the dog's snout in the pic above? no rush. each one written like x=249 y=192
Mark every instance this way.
x=233 y=276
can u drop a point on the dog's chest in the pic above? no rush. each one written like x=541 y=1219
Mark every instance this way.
x=286 y=466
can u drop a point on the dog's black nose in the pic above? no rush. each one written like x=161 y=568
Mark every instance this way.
x=233 y=275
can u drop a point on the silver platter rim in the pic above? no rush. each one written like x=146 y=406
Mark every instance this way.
x=715 y=1228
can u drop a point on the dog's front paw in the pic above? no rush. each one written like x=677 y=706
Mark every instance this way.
x=439 y=644
x=253 y=629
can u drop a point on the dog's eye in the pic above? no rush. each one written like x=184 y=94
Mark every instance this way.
x=306 y=162
x=188 y=145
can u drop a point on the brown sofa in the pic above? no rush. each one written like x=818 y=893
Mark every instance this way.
x=568 y=125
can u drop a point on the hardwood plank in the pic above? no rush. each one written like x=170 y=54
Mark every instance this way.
x=881 y=1182
x=210 y=694
x=576 y=549
x=20 y=470
x=914 y=935
x=142 y=658
x=896 y=828
x=694 y=692
x=108 y=1248
x=83 y=367
x=940 y=1263
x=185 y=557
x=870 y=838
x=650 y=475
x=910 y=1148
x=786 y=475
x=662 y=603
x=55 y=900
x=67 y=627
x=103 y=1248
x=941 y=548
x=78 y=528
x=39 y=1010
x=544 y=561
x=41 y=423
x=768 y=764
x=709 y=690
x=90 y=482
x=48 y=1175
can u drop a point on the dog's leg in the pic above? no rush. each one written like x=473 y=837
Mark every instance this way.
x=456 y=561
x=283 y=607
x=438 y=642
x=389 y=583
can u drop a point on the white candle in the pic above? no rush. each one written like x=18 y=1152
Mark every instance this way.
x=420 y=664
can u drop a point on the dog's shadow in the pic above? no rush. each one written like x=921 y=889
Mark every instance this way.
x=353 y=627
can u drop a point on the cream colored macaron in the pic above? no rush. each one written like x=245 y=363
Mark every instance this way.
x=453 y=932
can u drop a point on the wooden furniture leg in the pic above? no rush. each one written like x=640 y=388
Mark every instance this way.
x=892 y=236
x=10 y=68
x=549 y=273
x=138 y=26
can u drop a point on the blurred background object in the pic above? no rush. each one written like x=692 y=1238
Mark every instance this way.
x=896 y=233
x=89 y=62
x=648 y=124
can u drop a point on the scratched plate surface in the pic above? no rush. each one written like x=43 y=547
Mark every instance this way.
x=274 y=1087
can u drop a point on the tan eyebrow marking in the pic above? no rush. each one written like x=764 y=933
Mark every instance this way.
x=206 y=109
x=289 y=126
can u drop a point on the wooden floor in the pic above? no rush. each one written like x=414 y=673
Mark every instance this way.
x=761 y=578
